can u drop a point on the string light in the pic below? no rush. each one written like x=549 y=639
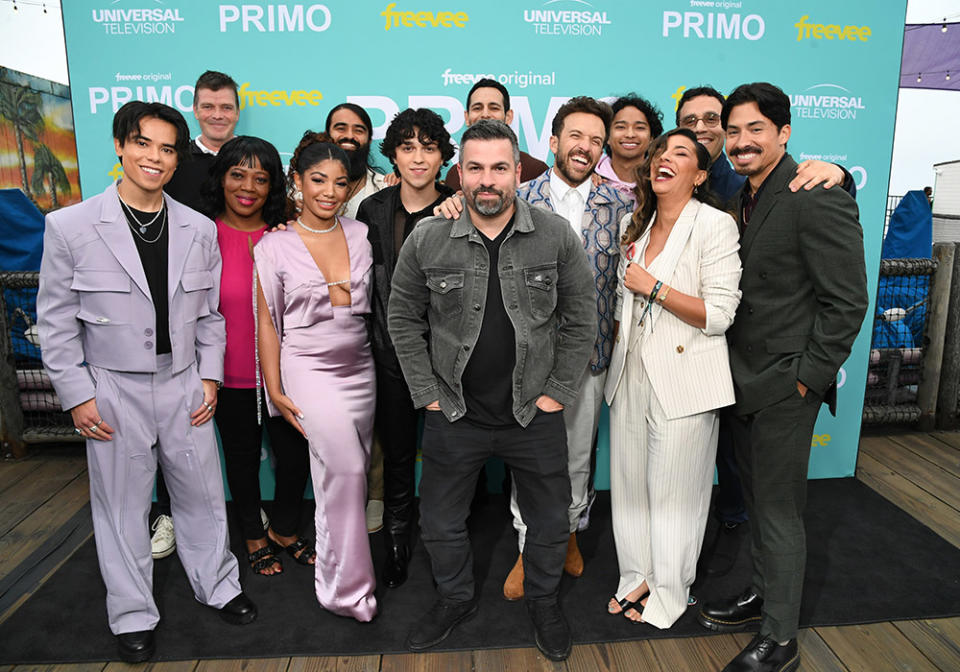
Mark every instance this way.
x=919 y=78
x=943 y=28
x=948 y=75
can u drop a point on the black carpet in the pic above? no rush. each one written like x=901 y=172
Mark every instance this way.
x=868 y=561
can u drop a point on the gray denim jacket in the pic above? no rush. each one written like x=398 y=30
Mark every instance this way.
x=438 y=295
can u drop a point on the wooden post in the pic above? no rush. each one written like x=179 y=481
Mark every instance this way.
x=11 y=415
x=949 y=389
x=938 y=307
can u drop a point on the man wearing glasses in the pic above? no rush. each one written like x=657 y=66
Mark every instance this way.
x=699 y=111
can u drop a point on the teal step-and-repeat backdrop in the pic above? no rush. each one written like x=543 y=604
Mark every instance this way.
x=838 y=61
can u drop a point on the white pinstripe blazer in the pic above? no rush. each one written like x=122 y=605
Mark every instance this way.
x=688 y=367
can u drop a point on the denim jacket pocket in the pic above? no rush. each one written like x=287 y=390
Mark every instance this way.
x=541 y=283
x=446 y=291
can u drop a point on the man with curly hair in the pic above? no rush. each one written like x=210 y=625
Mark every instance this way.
x=418 y=146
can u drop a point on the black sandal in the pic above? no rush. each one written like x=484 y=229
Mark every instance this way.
x=263 y=558
x=301 y=550
x=625 y=604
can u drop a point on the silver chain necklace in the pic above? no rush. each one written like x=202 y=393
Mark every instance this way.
x=142 y=226
x=336 y=222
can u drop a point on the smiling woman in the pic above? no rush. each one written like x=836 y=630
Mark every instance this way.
x=246 y=189
x=669 y=373
x=312 y=304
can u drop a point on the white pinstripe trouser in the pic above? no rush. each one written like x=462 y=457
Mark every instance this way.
x=661 y=474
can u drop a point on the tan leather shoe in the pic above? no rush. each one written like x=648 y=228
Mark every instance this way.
x=513 y=586
x=573 y=565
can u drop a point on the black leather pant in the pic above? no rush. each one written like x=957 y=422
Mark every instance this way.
x=397 y=424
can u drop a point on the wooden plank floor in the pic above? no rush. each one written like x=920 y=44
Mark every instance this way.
x=919 y=472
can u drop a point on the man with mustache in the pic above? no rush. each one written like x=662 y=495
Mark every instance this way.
x=489 y=99
x=699 y=110
x=350 y=127
x=804 y=298
x=417 y=145
x=493 y=319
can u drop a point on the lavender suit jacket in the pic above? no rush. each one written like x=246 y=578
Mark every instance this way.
x=94 y=305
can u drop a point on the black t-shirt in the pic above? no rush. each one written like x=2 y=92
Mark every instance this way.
x=488 y=378
x=153 y=258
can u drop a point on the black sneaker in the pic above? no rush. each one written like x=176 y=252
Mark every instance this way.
x=550 y=628
x=763 y=654
x=437 y=624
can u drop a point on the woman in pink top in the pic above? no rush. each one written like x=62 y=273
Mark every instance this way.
x=248 y=190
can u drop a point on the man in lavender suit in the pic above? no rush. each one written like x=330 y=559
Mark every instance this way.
x=133 y=343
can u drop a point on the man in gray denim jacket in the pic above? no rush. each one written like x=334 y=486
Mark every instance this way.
x=494 y=363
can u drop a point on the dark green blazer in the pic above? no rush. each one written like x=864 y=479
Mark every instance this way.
x=804 y=290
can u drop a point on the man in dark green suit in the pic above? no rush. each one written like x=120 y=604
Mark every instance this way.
x=804 y=299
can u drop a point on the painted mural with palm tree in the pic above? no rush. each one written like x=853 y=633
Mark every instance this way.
x=48 y=173
x=38 y=150
x=23 y=109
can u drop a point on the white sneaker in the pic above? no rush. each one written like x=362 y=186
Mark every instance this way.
x=374 y=515
x=163 y=542
x=264 y=520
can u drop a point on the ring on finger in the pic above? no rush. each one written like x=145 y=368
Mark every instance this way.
x=209 y=407
x=78 y=430
x=97 y=424
x=92 y=428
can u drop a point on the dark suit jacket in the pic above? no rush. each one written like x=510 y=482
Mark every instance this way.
x=377 y=212
x=804 y=292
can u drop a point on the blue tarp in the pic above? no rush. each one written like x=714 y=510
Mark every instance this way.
x=909 y=236
x=910 y=231
x=21 y=246
x=22 y=225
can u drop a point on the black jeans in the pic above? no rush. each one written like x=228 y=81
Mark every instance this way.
x=236 y=418
x=729 y=505
x=453 y=454
x=396 y=423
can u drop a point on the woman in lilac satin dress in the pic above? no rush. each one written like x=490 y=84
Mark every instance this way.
x=313 y=297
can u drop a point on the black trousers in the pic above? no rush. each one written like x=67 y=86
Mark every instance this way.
x=729 y=505
x=396 y=422
x=453 y=454
x=236 y=418
x=773 y=452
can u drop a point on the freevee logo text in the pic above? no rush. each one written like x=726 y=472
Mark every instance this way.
x=426 y=19
x=137 y=21
x=829 y=31
x=713 y=25
x=275 y=18
x=277 y=98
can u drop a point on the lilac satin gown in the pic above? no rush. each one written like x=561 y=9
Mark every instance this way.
x=327 y=370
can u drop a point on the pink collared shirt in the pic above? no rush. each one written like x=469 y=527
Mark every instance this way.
x=605 y=170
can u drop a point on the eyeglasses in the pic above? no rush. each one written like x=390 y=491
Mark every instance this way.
x=710 y=120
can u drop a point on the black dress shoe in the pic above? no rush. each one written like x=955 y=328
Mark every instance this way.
x=550 y=628
x=765 y=655
x=732 y=614
x=239 y=611
x=437 y=624
x=395 y=571
x=136 y=647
